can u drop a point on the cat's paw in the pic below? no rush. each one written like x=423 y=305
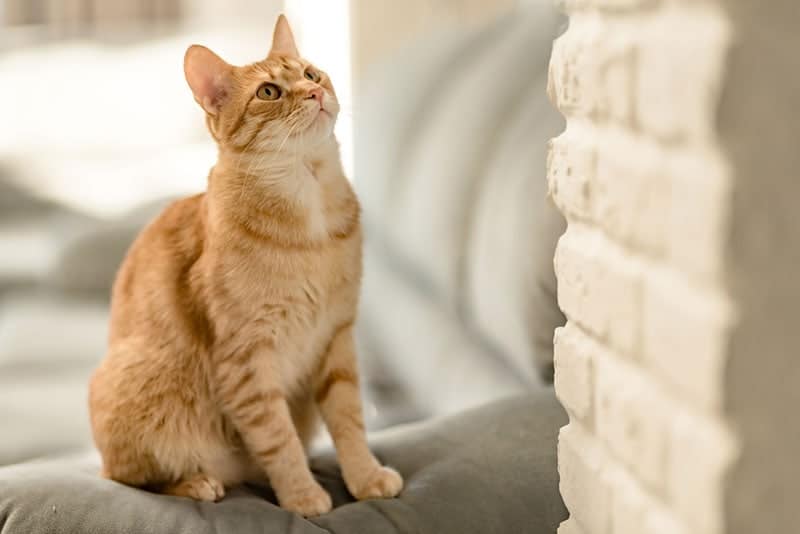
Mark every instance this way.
x=381 y=483
x=309 y=502
x=200 y=488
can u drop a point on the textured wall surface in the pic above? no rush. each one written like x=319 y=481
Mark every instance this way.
x=640 y=176
x=677 y=173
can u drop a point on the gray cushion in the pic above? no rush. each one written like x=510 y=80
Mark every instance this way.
x=490 y=470
x=460 y=232
x=89 y=261
x=18 y=203
x=32 y=230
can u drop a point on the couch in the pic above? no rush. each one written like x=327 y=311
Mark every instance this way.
x=455 y=330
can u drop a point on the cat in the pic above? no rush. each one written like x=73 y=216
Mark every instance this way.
x=232 y=314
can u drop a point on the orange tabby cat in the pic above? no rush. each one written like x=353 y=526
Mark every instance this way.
x=232 y=315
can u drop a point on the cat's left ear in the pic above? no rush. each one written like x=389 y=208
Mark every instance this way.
x=282 y=39
x=209 y=77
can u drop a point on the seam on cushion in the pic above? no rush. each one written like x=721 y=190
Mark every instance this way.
x=376 y=505
x=5 y=518
x=294 y=524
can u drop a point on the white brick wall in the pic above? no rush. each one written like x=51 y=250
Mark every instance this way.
x=639 y=175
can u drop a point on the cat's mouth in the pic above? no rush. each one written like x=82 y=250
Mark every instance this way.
x=320 y=118
x=322 y=109
x=322 y=114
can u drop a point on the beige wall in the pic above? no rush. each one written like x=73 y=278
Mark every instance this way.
x=677 y=172
x=381 y=26
x=759 y=126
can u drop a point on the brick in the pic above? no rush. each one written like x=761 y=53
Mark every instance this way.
x=629 y=507
x=571 y=78
x=633 y=418
x=573 y=372
x=584 y=488
x=640 y=364
x=570 y=172
x=572 y=6
x=698 y=218
x=660 y=521
x=685 y=335
x=632 y=195
x=635 y=511
x=616 y=75
x=593 y=70
x=599 y=287
x=677 y=82
x=702 y=452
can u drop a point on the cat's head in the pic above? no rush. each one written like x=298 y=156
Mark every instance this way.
x=280 y=103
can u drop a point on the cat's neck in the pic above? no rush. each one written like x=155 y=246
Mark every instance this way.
x=280 y=192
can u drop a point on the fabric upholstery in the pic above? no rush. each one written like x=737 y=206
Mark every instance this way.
x=460 y=230
x=458 y=298
x=491 y=470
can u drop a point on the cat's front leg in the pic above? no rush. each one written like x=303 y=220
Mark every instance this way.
x=338 y=396
x=254 y=401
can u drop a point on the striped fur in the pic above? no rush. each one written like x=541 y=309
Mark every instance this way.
x=231 y=324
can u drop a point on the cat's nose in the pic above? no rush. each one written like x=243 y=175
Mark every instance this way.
x=315 y=94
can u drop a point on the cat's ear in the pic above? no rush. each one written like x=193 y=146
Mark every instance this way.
x=282 y=39
x=209 y=77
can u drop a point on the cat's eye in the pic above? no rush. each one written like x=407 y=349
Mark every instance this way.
x=269 y=91
x=312 y=75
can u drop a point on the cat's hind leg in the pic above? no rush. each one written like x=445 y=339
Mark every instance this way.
x=200 y=487
x=153 y=428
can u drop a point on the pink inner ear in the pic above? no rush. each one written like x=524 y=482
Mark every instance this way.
x=216 y=93
x=208 y=77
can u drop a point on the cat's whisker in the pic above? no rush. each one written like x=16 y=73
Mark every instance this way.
x=263 y=155
x=245 y=178
x=287 y=135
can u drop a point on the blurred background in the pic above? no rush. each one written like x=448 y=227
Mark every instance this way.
x=678 y=170
x=99 y=131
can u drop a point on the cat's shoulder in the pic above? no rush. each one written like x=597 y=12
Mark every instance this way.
x=179 y=227
x=183 y=210
x=180 y=214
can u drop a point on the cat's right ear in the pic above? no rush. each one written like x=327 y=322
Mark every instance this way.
x=209 y=77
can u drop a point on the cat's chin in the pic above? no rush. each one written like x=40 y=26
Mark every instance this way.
x=324 y=118
x=322 y=125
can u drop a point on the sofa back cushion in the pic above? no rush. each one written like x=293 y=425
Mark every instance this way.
x=450 y=167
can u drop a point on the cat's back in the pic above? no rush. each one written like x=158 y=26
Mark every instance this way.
x=158 y=276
